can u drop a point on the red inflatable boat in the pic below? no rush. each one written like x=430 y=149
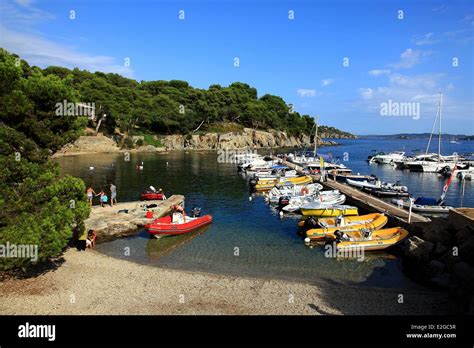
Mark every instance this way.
x=150 y=196
x=166 y=225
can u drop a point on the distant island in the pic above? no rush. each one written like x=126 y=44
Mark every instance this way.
x=419 y=136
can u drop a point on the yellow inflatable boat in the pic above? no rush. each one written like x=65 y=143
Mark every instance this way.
x=347 y=224
x=267 y=184
x=330 y=210
x=374 y=240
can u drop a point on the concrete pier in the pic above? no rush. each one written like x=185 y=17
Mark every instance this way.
x=126 y=218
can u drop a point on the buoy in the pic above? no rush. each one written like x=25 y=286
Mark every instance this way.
x=307 y=240
x=91 y=168
x=250 y=198
x=166 y=163
x=281 y=213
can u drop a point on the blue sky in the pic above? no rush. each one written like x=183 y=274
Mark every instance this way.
x=406 y=60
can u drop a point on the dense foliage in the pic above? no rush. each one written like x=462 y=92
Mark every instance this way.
x=175 y=107
x=37 y=207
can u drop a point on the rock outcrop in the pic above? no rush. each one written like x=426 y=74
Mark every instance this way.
x=248 y=138
x=442 y=254
x=89 y=144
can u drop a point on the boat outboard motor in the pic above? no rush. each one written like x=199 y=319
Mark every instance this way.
x=310 y=222
x=283 y=201
x=196 y=212
x=366 y=233
x=253 y=182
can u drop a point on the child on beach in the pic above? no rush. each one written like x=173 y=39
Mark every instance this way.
x=103 y=198
x=91 y=237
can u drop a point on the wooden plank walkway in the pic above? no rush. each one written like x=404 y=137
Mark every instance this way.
x=365 y=200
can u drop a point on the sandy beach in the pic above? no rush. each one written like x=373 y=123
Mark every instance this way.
x=92 y=283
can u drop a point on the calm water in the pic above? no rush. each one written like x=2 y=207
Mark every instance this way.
x=267 y=245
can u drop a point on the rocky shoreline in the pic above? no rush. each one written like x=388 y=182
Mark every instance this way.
x=441 y=254
x=247 y=139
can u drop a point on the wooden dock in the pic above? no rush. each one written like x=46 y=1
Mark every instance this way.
x=366 y=201
x=126 y=218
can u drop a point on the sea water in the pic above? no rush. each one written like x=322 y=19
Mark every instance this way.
x=247 y=237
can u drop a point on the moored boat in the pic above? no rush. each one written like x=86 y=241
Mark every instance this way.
x=323 y=198
x=177 y=224
x=318 y=209
x=424 y=205
x=267 y=184
x=328 y=226
x=370 y=240
x=152 y=194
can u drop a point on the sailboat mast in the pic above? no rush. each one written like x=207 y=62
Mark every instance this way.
x=439 y=134
x=316 y=138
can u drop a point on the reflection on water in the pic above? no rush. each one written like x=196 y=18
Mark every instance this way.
x=246 y=237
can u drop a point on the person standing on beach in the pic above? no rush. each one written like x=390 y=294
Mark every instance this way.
x=90 y=194
x=113 y=194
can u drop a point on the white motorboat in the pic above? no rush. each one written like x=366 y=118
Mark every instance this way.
x=423 y=205
x=279 y=191
x=322 y=201
x=395 y=156
x=377 y=184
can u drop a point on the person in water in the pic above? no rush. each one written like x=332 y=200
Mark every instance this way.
x=91 y=237
x=113 y=194
x=90 y=194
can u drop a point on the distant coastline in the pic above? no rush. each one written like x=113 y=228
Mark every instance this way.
x=418 y=136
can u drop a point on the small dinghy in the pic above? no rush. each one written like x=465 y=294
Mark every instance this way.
x=152 y=194
x=321 y=210
x=291 y=190
x=369 y=240
x=176 y=224
x=379 y=188
x=324 y=198
x=268 y=184
x=328 y=226
x=424 y=205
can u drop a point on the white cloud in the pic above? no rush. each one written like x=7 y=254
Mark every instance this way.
x=20 y=15
x=378 y=72
x=440 y=9
x=42 y=52
x=24 y=3
x=366 y=93
x=421 y=88
x=19 y=35
x=306 y=92
x=426 y=39
x=409 y=58
x=327 y=82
